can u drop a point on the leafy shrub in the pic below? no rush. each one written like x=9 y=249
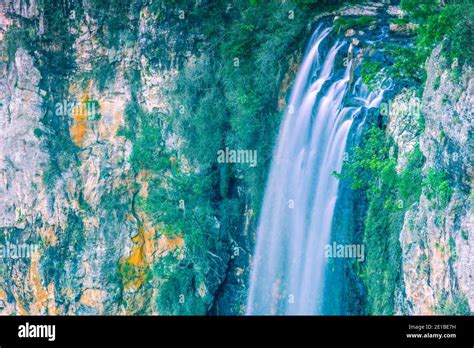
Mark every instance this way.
x=372 y=170
x=344 y=23
x=370 y=70
x=451 y=24
x=437 y=187
x=411 y=177
x=420 y=9
x=456 y=304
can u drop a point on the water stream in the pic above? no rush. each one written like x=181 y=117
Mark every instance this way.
x=288 y=267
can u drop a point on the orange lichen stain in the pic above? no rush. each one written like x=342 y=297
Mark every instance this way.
x=80 y=115
x=19 y=307
x=48 y=234
x=133 y=268
x=40 y=295
x=148 y=245
x=174 y=243
x=3 y=295
x=77 y=134
x=93 y=298
x=137 y=255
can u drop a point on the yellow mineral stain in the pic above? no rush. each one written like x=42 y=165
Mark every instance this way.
x=40 y=295
x=3 y=295
x=137 y=253
x=148 y=245
x=93 y=298
x=80 y=114
x=173 y=243
x=48 y=234
x=19 y=306
x=133 y=268
x=52 y=310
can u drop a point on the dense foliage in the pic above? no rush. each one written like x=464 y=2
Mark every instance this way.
x=372 y=169
x=234 y=65
x=448 y=23
x=228 y=96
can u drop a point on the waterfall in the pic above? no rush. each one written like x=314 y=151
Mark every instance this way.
x=288 y=266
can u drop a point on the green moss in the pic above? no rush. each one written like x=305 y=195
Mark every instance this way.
x=103 y=73
x=178 y=296
x=421 y=124
x=399 y=21
x=454 y=304
x=19 y=37
x=452 y=248
x=436 y=83
x=410 y=179
x=50 y=175
x=37 y=132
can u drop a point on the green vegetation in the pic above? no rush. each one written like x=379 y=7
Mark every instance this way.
x=409 y=181
x=238 y=81
x=451 y=25
x=145 y=130
x=344 y=23
x=452 y=248
x=370 y=71
x=232 y=95
x=228 y=97
x=53 y=54
x=114 y=31
x=399 y=21
x=19 y=37
x=389 y=194
x=103 y=73
x=180 y=201
x=436 y=83
x=437 y=188
x=372 y=170
x=454 y=305
x=408 y=64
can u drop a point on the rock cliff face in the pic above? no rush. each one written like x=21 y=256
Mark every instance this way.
x=76 y=236
x=82 y=222
x=437 y=264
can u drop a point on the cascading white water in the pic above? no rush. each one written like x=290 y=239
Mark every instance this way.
x=301 y=193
